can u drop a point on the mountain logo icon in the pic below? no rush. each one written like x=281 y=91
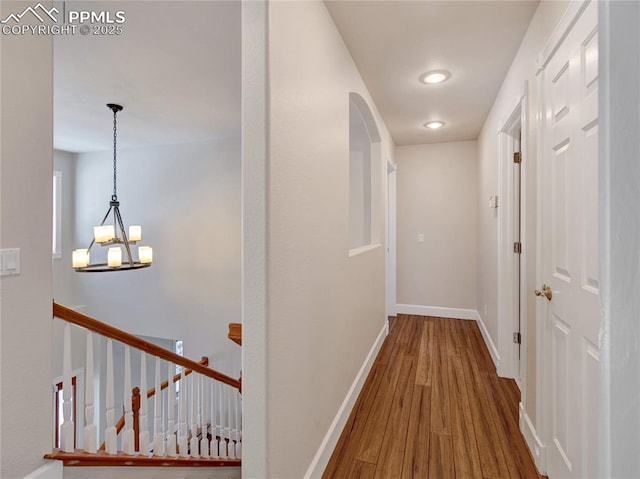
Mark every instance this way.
x=43 y=13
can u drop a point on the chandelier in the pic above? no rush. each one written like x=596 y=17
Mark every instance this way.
x=113 y=234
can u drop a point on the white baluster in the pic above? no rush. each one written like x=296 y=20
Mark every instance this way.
x=194 y=443
x=231 y=452
x=90 y=429
x=225 y=419
x=182 y=432
x=128 y=440
x=143 y=414
x=236 y=432
x=171 y=414
x=239 y=446
x=110 y=435
x=204 y=417
x=214 y=420
x=158 y=435
x=67 y=429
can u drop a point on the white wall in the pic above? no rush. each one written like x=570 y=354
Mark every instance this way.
x=325 y=309
x=437 y=197
x=187 y=199
x=26 y=152
x=255 y=140
x=522 y=70
x=619 y=239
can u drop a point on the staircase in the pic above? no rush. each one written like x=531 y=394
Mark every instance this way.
x=189 y=419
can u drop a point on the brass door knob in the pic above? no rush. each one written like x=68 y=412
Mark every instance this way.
x=545 y=291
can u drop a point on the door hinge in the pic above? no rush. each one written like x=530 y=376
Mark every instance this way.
x=517 y=247
x=517 y=338
x=517 y=157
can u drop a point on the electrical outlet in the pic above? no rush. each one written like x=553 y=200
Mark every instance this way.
x=486 y=309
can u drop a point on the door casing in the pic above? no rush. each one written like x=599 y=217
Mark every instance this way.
x=508 y=291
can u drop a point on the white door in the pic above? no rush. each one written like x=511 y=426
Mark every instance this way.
x=569 y=201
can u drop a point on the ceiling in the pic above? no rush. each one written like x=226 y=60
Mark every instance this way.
x=176 y=69
x=393 y=42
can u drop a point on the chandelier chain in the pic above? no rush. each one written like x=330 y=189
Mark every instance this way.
x=115 y=192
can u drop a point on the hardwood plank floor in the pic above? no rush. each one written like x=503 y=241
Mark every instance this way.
x=433 y=408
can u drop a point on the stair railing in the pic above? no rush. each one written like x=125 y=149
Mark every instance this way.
x=136 y=404
x=202 y=420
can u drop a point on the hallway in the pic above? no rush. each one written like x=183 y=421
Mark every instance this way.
x=433 y=407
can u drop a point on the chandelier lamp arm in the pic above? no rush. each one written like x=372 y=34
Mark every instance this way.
x=124 y=235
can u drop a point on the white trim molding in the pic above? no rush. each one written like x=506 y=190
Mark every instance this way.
x=363 y=249
x=51 y=470
x=568 y=20
x=437 y=311
x=493 y=351
x=537 y=448
x=321 y=459
x=512 y=294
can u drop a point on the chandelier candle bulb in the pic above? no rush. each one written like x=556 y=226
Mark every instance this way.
x=103 y=233
x=80 y=258
x=114 y=257
x=145 y=254
x=135 y=233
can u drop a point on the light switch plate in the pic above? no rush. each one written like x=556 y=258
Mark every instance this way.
x=10 y=262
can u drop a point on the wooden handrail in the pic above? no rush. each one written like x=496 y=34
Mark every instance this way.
x=235 y=333
x=79 y=319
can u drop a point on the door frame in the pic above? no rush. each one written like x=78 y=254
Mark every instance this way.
x=508 y=365
x=391 y=237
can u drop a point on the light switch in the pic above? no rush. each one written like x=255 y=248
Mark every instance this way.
x=10 y=262
x=420 y=237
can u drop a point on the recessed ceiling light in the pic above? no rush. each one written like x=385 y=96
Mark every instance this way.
x=434 y=125
x=435 y=76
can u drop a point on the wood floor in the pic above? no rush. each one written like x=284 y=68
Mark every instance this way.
x=433 y=407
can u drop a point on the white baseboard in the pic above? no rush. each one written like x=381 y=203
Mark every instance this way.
x=136 y=472
x=436 y=311
x=493 y=351
x=321 y=459
x=51 y=470
x=537 y=448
